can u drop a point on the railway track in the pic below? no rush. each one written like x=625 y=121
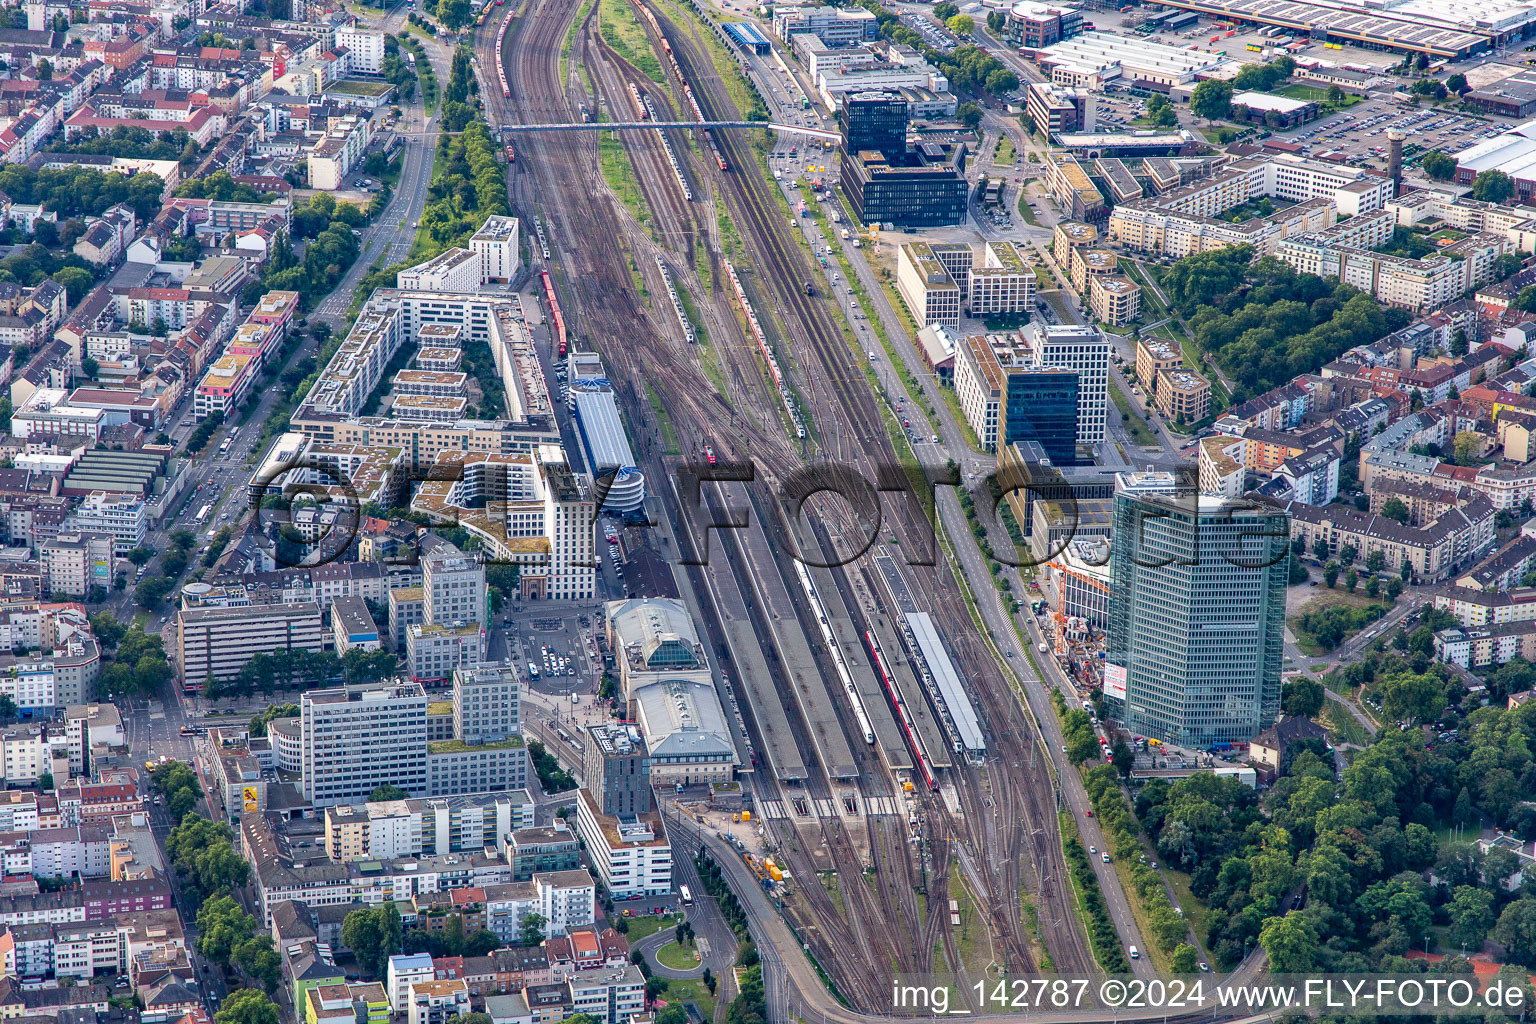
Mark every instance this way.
x=884 y=926
x=1024 y=800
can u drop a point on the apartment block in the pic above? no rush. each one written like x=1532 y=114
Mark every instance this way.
x=1114 y=300
x=1183 y=396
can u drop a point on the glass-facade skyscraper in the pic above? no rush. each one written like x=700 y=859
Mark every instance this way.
x=1197 y=612
x=1040 y=404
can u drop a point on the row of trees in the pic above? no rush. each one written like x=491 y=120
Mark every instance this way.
x=458 y=107
x=300 y=669
x=228 y=936
x=133 y=142
x=1168 y=929
x=135 y=661
x=472 y=186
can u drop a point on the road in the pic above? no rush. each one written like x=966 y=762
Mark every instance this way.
x=393 y=232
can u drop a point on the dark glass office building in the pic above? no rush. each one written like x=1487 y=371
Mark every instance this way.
x=1196 y=612
x=874 y=120
x=1040 y=405
x=918 y=195
x=887 y=183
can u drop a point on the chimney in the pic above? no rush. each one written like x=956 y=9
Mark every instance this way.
x=1395 y=158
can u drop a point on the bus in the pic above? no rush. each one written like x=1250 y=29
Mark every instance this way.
x=202 y=515
x=687 y=895
x=224 y=448
x=533 y=671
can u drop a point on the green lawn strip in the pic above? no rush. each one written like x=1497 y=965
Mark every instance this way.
x=679 y=958
x=1132 y=419
x=691 y=990
x=1195 y=911
x=640 y=927
x=953 y=401
x=619 y=173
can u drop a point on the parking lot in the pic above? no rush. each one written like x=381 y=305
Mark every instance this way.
x=1358 y=135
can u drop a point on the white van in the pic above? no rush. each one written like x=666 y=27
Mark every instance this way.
x=1135 y=953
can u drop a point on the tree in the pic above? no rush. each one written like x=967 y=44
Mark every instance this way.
x=1516 y=931
x=1211 y=100
x=1457 y=83
x=1493 y=186
x=1183 y=959
x=961 y=25
x=1471 y=914
x=1393 y=508
x=222 y=925
x=1439 y=166
x=1412 y=695
x=1466 y=446
x=454 y=14
x=1462 y=813
x=1347 y=553
x=969 y=114
x=1320 y=550
x=531 y=930
x=1375 y=561
x=258 y=958
x=1331 y=574
x=1351 y=579
x=374 y=935
x=248 y=1006
x=1122 y=758
x=1301 y=697
x=1291 y=943
x=75 y=281
x=385 y=791
x=45 y=782
x=1335 y=96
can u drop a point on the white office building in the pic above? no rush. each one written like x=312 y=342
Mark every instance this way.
x=1085 y=350
x=496 y=244
x=357 y=738
x=365 y=49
